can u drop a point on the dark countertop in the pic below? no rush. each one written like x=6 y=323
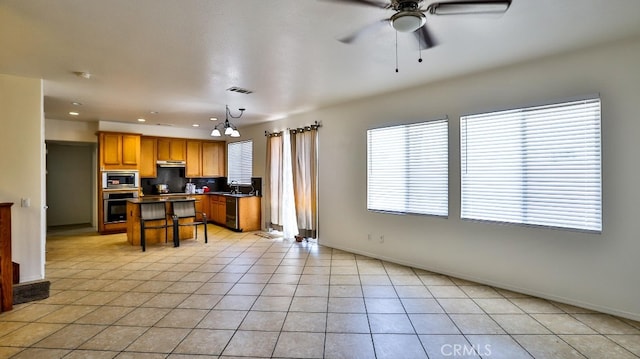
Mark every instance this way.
x=229 y=194
x=156 y=198
x=173 y=196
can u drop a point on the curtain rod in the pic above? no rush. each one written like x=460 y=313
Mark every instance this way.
x=315 y=126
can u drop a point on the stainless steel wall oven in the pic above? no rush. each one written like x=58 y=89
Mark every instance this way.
x=115 y=205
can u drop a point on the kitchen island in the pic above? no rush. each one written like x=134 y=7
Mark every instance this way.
x=156 y=235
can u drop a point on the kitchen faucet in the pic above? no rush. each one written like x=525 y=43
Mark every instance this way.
x=235 y=184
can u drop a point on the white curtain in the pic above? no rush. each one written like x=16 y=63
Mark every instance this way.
x=304 y=146
x=273 y=180
x=288 y=210
x=291 y=182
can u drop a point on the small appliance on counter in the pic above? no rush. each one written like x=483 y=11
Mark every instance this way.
x=190 y=188
x=161 y=188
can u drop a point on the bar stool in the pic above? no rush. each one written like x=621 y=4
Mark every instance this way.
x=153 y=211
x=187 y=209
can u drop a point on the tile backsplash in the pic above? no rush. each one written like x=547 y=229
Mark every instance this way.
x=175 y=179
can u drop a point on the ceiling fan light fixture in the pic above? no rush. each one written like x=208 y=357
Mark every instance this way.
x=469 y=7
x=407 y=21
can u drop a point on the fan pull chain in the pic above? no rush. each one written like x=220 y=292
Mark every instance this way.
x=396 y=52
x=419 y=45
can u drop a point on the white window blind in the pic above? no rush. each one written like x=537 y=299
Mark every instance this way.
x=407 y=168
x=537 y=166
x=240 y=162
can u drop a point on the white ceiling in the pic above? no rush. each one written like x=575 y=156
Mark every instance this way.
x=178 y=57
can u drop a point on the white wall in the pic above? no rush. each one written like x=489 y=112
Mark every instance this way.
x=81 y=131
x=598 y=271
x=71 y=131
x=22 y=170
x=160 y=131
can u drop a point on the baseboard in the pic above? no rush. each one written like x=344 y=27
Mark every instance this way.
x=30 y=291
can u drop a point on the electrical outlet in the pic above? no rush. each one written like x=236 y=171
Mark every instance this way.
x=25 y=202
x=382 y=238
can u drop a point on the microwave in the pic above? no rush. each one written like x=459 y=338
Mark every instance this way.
x=120 y=180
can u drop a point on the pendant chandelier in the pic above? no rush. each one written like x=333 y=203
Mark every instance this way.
x=227 y=127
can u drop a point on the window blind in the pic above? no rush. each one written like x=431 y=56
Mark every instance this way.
x=538 y=166
x=407 y=168
x=240 y=162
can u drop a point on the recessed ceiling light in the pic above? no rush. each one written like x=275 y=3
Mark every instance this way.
x=195 y=125
x=72 y=113
x=141 y=120
x=213 y=119
x=76 y=103
x=154 y=112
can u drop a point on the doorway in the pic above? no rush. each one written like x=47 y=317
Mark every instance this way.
x=70 y=186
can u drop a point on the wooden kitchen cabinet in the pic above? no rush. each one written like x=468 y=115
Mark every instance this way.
x=249 y=210
x=148 y=157
x=172 y=149
x=119 y=151
x=194 y=159
x=200 y=206
x=205 y=159
x=204 y=206
x=218 y=209
x=213 y=158
x=249 y=213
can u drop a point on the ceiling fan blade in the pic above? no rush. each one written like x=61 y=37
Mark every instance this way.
x=469 y=7
x=378 y=4
x=424 y=37
x=365 y=30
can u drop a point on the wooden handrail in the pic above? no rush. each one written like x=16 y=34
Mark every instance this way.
x=6 y=266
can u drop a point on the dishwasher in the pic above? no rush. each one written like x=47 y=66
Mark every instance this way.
x=232 y=213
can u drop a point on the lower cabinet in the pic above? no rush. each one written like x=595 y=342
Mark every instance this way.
x=249 y=210
x=202 y=205
x=218 y=209
x=249 y=213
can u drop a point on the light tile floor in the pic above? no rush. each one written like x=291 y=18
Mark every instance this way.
x=243 y=295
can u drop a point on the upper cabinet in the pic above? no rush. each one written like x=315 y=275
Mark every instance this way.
x=125 y=151
x=213 y=158
x=148 y=157
x=172 y=149
x=119 y=151
x=194 y=159
x=205 y=159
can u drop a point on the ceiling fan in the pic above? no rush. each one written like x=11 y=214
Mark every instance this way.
x=410 y=16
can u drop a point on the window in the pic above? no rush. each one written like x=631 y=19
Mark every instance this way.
x=407 y=168
x=537 y=166
x=240 y=162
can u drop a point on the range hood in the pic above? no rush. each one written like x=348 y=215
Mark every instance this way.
x=171 y=163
